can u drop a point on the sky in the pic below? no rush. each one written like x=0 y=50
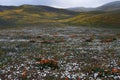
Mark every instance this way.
x=57 y=3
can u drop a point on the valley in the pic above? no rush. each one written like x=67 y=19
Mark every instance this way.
x=45 y=43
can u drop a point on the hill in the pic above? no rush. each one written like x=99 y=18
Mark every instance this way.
x=32 y=15
x=106 y=7
x=81 y=9
x=39 y=8
x=102 y=19
x=2 y=8
x=110 y=6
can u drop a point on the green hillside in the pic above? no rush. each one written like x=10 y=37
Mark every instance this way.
x=29 y=15
x=110 y=19
x=32 y=15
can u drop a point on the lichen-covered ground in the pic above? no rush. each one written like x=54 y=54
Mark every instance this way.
x=85 y=53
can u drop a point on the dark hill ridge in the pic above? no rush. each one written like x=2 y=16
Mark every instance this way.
x=2 y=8
x=106 y=7
x=110 y=6
x=37 y=8
x=45 y=9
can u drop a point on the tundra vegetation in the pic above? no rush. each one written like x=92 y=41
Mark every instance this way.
x=59 y=53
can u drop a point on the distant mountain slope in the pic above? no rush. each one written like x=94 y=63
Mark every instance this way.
x=106 y=7
x=110 y=6
x=81 y=9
